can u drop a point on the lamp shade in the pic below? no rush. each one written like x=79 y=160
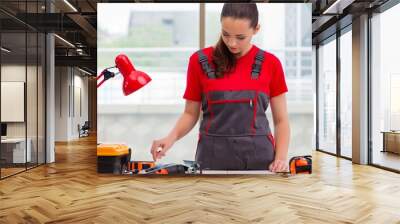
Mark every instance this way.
x=133 y=80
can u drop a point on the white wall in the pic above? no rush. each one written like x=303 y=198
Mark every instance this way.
x=81 y=102
x=61 y=103
x=71 y=94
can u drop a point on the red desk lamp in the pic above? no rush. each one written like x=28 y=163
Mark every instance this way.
x=133 y=79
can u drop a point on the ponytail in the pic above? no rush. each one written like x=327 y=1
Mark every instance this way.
x=223 y=59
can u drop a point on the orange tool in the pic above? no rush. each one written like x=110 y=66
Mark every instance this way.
x=141 y=165
x=300 y=164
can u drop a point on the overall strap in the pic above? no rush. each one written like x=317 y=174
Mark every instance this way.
x=256 y=67
x=206 y=65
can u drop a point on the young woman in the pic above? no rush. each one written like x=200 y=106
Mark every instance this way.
x=233 y=83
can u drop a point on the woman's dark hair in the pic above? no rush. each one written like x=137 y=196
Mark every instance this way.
x=223 y=59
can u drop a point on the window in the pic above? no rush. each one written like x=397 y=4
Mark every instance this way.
x=22 y=75
x=306 y=72
x=385 y=84
x=291 y=25
x=161 y=47
x=327 y=97
x=346 y=94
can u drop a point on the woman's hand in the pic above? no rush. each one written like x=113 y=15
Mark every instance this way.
x=160 y=147
x=279 y=165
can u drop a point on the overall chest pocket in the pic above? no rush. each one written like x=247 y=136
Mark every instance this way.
x=231 y=112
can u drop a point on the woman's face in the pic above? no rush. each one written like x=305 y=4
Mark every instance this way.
x=237 y=34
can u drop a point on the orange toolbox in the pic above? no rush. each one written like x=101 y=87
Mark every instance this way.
x=112 y=158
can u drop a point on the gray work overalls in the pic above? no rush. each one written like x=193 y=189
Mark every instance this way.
x=234 y=130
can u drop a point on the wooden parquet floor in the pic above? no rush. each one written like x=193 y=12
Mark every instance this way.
x=10 y=171
x=70 y=191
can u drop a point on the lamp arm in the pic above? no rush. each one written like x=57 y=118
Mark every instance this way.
x=106 y=74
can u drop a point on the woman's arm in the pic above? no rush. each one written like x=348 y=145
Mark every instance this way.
x=282 y=133
x=185 y=123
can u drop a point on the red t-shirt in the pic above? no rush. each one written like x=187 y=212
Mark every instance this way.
x=271 y=76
